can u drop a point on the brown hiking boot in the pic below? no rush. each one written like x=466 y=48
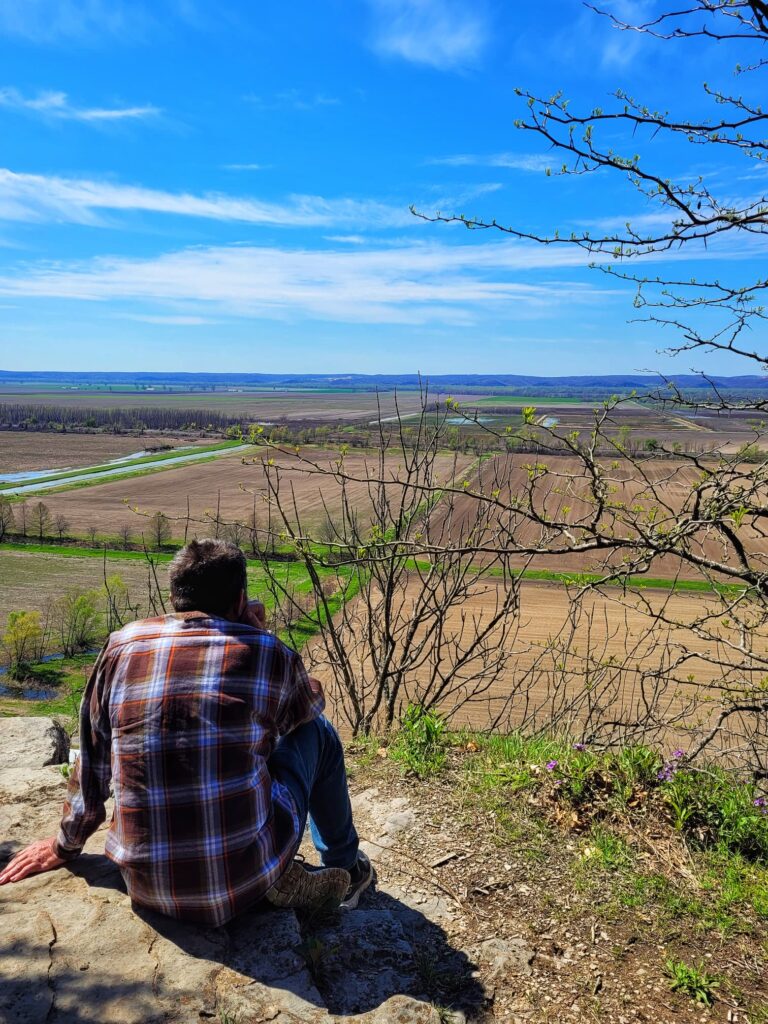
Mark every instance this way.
x=299 y=888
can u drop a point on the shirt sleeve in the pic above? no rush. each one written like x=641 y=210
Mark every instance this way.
x=88 y=788
x=298 y=704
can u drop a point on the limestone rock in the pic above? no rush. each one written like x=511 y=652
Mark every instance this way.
x=31 y=743
x=506 y=957
x=73 y=950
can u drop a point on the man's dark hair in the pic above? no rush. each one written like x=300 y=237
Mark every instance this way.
x=207 y=576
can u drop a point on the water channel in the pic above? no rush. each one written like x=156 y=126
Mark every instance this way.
x=78 y=476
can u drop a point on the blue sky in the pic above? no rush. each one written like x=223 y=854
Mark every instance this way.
x=197 y=186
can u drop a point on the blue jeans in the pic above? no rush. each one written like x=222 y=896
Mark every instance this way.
x=309 y=762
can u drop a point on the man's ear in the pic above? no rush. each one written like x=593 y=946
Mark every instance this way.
x=242 y=603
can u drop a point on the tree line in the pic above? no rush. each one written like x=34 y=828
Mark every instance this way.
x=62 y=418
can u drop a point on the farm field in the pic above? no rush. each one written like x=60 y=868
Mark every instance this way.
x=315 y=406
x=536 y=684
x=229 y=480
x=31 y=580
x=672 y=479
x=26 y=451
x=630 y=423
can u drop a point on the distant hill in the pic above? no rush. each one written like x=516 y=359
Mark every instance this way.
x=487 y=383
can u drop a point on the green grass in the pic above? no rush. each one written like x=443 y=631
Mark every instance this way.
x=128 y=464
x=643 y=582
x=528 y=400
x=66 y=675
x=610 y=796
x=287 y=571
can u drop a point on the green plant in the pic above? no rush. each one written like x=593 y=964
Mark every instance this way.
x=695 y=981
x=420 y=744
x=713 y=808
x=608 y=850
x=23 y=643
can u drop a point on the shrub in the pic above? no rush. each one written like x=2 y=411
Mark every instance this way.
x=420 y=744
x=23 y=642
x=714 y=809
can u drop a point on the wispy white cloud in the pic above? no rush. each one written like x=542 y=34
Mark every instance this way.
x=292 y=99
x=513 y=161
x=444 y=34
x=57 y=106
x=621 y=48
x=170 y=320
x=407 y=284
x=60 y=22
x=50 y=21
x=347 y=239
x=35 y=197
x=246 y=167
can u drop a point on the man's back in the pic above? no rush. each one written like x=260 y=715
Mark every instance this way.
x=184 y=711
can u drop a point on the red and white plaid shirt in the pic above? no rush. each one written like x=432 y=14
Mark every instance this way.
x=180 y=715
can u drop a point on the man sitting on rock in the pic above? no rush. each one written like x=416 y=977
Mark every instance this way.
x=212 y=736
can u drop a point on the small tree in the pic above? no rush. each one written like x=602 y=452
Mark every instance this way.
x=78 y=621
x=60 y=524
x=252 y=526
x=118 y=605
x=22 y=517
x=40 y=519
x=22 y=642
x=236 y=533
x=7 y=519
x=90 y=532
x=159 y=529
x=126 y=536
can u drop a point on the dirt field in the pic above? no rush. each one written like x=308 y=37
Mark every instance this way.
x=273 y=406
x=22 y=450
x=610 y=647
x=226 y=480
x=564 y=486
x=30 y=581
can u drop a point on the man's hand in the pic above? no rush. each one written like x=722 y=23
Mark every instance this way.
x=254 y=614
x=34 y=860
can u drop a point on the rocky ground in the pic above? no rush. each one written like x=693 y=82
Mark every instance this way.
x=459 y=927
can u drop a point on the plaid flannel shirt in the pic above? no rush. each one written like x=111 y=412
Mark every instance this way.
x=180 y=715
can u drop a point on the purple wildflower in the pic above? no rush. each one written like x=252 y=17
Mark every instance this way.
x=667 y=773
x=760 y=802
x=580 y=746
x=678 y=754
x=551 y=765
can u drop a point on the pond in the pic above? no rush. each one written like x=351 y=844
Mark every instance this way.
x=28 y=691
x=460 y=420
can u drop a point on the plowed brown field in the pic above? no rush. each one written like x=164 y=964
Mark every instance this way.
x=611 y=662
x=667 y=485
x=228 y=481
x=25 y=450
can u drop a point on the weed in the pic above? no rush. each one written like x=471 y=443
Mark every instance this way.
x=420 y=744
x=695 y=982
x=607 y=850
x=715 y=810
